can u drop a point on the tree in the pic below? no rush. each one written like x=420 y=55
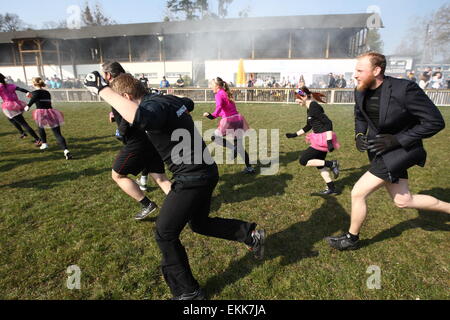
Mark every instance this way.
x=428 y=41
x=54 y=24
x=222 y=10
x=195 y=9
x=95 y=17
x=187 y=8
x=374 y=41
x=11 y=22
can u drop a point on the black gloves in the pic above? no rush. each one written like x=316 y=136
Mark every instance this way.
x=119 y=136
x=330 y=145
x=291 y=135
x=95 y=83
x=361 y=142
x=383 y=143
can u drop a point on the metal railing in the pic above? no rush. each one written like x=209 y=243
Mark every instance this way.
x=245 y=95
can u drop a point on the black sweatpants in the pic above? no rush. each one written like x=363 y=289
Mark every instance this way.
x=21 y=121
x=59 y=138
x=189 y=202
x=17 y=125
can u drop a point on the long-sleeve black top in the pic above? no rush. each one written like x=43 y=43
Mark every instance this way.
x=42 y=98
x=317 y=120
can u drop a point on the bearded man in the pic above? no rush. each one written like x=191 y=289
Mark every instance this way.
x=392 y=116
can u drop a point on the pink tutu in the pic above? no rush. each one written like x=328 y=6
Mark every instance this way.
x=318 y=141
x=13 y=108
x=48 y=118
x=231 y=125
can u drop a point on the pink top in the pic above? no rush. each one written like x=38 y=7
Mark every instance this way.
x=8 y=92
x=224 y=107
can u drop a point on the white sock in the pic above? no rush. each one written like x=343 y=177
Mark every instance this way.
x=66 y=151
x=144 y=179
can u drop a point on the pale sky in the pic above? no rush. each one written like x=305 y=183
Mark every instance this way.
x=398 y=16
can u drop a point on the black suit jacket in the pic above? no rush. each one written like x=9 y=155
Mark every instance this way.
x=405 y=112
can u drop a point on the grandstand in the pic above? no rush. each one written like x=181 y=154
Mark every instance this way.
x=270 y=46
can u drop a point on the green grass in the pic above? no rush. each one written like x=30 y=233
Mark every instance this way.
x=56 y=213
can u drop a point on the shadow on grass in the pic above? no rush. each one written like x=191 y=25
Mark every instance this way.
x=248 y=187
x=78 y=149
x=55 y=180
x=292 y=244
x=7 y=133
x=427 y=220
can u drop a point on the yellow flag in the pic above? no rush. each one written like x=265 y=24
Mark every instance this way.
x=240 y=76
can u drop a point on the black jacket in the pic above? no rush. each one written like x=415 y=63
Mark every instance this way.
x=405 y=112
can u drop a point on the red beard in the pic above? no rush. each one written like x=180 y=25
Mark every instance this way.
x=364 y=85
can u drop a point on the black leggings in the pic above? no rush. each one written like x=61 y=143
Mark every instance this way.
x=189 y=202
x=17 y=125
x=20 y=120
x=224 y=143
x=59 y=138
x=311 y=154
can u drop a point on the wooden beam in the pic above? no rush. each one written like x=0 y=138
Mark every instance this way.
x=327 y=49
x=129 y=49
x=20 y=43
x=59 y=59
x=290 y=46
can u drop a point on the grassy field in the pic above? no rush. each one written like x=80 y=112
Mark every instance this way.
x=56 y=213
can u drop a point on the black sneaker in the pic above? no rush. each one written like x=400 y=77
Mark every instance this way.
x=198 y=294
x=335 y=168
x=249 y=170
x=145 y=212
x=258 y=243
x=328 y=191
x=68 y=155
x=342 y=242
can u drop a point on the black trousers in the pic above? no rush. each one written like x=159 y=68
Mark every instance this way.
x=17 y=125
x=189 y=202
x=59 y=138
x=22 y=122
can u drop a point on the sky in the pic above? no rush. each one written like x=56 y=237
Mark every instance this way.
x=398 y=16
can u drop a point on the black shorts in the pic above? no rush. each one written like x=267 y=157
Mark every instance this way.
x=378 y=168
x=133 y=161
x=310 y=154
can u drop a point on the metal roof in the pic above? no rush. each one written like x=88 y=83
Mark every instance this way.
x=332 y=21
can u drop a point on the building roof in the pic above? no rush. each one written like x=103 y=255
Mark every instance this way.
x=332 y=21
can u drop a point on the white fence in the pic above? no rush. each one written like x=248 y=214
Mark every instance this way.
x=245 y=95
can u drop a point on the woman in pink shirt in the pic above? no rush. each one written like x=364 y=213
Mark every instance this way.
x=13 y=107
x=231 y=122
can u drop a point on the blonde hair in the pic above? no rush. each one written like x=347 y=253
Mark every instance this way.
x=126 y=83
x=222 y=84
x=38 y=82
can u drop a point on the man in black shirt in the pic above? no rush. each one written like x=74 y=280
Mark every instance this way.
x=167 y=121
x=144 y=81
x=392 y=116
